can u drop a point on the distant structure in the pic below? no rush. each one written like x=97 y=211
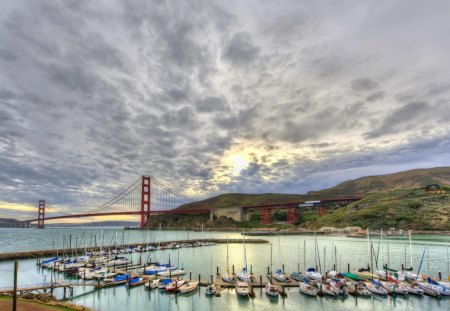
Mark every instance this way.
x=434 y=188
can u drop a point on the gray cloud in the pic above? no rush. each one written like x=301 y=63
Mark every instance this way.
x=95 y=94
x=240 y=49
x=376 y=96
x=364 y=84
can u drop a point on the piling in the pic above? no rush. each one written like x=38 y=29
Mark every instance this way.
x=283 y=268
x=233 y=269
x=190 y=276
x=348 y=267
x=268 y=270
x=16 y=267
x=217 y=270
x=440 y=276
x=260 y=280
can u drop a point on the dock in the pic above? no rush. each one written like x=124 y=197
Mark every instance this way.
x=164 y=244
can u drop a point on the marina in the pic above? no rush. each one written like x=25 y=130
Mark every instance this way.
x=202 y=269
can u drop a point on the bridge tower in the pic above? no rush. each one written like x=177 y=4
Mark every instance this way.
x=41 y=214
x=145 y=201
x=322 y=210
x=266 y=216
x=292 y=215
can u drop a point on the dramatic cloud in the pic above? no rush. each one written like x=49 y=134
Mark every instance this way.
x=210 y=97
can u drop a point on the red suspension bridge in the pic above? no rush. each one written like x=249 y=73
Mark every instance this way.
x=145 y=197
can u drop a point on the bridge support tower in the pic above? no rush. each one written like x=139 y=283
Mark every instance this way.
x=145 y=201
x=322 y=210
x=266 y=216
x=41 y=215
x=292 y=215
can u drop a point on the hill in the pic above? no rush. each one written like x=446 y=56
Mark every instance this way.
x=402 y=180
x=406 y=209
x=7 y=223
x=361 y=186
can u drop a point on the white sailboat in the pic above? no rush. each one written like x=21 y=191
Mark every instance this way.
x=242 y=289
x=227 y=277
x=244 y=275
x=271 y=289
x=280 y=276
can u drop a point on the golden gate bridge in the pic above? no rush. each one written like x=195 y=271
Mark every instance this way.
x=145 y=197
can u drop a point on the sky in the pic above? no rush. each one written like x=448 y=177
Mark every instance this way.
x=212 y=97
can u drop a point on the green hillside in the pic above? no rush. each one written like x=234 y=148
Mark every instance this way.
x=361 y=186
x=407 y=209
x=402 y=180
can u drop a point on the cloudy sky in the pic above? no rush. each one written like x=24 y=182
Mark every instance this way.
x=216 y=96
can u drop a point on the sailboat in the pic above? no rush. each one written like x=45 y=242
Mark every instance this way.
x=211 y=288
x=227 y=277
x=279 y=273
x=271 y=289
x=244 y=275
x=242 y=288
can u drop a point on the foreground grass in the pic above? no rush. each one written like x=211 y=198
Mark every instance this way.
x=55 y=305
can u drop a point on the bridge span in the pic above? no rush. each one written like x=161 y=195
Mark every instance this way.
x=147 y=197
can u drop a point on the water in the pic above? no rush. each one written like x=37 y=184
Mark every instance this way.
x=287 y=250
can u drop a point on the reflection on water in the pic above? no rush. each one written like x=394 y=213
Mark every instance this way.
x=289 y=251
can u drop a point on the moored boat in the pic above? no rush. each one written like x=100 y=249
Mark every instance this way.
x=307 y=289
x=210 y=289
x=271 y=289
x=242 y=288
x=174 y=286
x=376 y=288
x=188 y=287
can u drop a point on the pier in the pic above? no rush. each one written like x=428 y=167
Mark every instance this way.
x=164 y=245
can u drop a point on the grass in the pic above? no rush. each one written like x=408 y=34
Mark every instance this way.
x=408 y=209
x=50 y=306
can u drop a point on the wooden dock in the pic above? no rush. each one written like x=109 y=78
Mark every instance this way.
x=46 y=289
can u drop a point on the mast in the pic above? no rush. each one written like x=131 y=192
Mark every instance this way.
x=335 y=258
x=228 y=264
x=271 y=255
x=389 y=259
x=421 y=261
x=371 y=262
x=315 y=249
x=245 y=254
x=382 y=253
x=101 y=242
x=410 y=248
x=368 y=247
x=448 y=264
x=304 y=255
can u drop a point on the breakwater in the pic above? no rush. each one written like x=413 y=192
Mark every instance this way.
x=164 y=245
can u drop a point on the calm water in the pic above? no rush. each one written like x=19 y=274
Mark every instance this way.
x=287 y=250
